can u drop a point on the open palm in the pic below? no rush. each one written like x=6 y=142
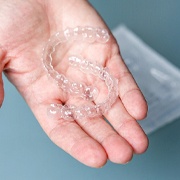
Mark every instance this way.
x=24 y=30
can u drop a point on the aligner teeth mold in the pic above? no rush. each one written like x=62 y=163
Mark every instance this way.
x=88 y=93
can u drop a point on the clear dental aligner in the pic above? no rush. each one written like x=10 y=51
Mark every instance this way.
x=71 y=112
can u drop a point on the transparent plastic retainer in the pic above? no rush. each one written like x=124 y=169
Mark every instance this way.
x=89 y=93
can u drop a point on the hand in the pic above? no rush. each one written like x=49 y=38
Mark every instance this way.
x=24 y=30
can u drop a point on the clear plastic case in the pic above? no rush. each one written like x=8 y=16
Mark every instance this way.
x=158 y=79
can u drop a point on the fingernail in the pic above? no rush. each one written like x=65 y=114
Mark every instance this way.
x=127 y=163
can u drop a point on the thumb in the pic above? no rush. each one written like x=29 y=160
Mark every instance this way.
x=2 y=55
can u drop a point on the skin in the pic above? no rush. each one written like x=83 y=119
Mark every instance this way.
x=24 y=30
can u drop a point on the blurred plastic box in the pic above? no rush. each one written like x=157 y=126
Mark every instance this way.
x=158 y=79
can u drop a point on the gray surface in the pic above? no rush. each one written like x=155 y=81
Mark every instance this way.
x=27 y=154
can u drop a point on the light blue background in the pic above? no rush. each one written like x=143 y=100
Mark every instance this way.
x=27 y=154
